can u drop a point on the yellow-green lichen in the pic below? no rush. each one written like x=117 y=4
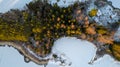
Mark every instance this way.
x=93 y=12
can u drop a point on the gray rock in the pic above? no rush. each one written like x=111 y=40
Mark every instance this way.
x=117 y=35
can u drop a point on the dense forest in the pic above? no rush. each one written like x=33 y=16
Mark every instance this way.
x=41 y=24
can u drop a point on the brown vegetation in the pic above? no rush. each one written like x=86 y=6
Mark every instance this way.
x=45 y=23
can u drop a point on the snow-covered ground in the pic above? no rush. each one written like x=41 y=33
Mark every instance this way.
x=117 y=35
x=6 y=5
x=66 y=2
x=106 y=13
x=79 y=52
x=10 y=57
x=115 y=3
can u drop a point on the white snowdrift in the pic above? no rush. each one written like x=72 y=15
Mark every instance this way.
x=79 y=52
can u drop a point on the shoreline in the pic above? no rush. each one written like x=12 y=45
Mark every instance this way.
x=30 y=56
x=24 y=52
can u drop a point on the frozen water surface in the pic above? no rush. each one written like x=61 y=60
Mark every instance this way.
x=79 y=52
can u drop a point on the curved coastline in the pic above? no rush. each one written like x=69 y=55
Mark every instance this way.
x=30 y=56
x=24 y=52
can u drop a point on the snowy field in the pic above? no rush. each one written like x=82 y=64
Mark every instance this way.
x=6 y=5
x=115 y=3
x=79 y=52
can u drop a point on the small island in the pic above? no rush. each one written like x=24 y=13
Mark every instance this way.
x=33 y=31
